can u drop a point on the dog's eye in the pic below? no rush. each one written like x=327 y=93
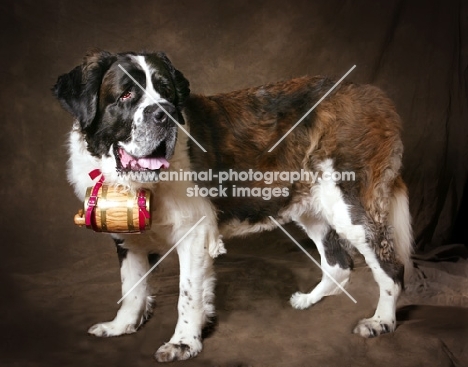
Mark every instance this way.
x=127 y=95
x=163 y=88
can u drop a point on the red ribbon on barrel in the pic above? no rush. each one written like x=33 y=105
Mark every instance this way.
x=143 y=213
x=89 y=218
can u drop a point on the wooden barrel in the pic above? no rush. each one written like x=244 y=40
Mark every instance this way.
x=118 y=210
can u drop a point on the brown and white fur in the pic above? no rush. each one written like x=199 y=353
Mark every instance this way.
x=355 y=129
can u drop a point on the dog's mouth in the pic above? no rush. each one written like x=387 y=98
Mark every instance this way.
x=153 y=162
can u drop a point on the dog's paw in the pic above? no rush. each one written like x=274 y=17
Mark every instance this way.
x=370 y=328
x=170 y=352
x=301 y=301
x=111 y=328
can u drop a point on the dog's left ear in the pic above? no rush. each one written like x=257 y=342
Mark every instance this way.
x=78 y=90
x=182 y=85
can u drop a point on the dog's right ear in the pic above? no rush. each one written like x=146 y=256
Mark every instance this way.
x=78 y=91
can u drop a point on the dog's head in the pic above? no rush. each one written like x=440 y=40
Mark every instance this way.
x=126 y=104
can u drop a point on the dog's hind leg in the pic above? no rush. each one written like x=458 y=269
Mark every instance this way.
x=387 y=252
x=379 y=228
x=137 y=306
x=335 y=262
x=387 y=271
x=371 y=233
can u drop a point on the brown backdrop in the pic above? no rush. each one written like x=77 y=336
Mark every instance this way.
x=414 y=50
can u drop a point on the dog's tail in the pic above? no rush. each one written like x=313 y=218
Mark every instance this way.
x=400 y=219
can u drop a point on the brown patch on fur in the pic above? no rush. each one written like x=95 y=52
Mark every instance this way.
x=238 y=128
x=356 y=126
x=249 y=122
x=362 y=134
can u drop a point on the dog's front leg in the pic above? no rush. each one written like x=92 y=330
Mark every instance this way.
x=195 y=304
x=137 y=306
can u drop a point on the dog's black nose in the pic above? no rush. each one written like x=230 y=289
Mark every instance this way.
x=158 y=113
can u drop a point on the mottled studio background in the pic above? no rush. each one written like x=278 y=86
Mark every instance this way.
x=56 y=280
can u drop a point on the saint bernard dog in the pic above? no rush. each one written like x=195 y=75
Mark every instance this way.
x=134 y=113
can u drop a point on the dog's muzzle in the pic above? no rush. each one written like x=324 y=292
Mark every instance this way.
x=159 y=114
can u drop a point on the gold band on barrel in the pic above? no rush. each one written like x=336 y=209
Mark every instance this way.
x=130 y=206
x=104 y=208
